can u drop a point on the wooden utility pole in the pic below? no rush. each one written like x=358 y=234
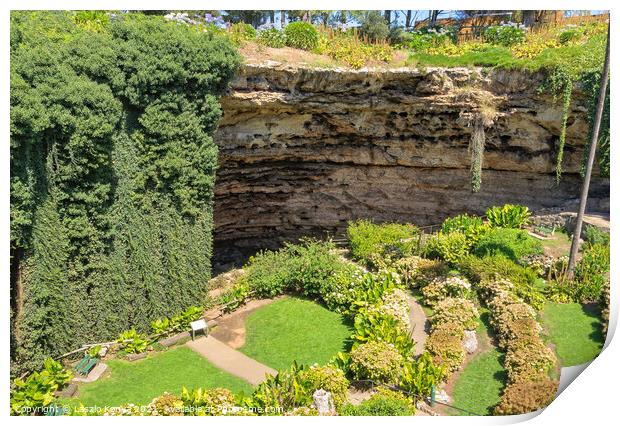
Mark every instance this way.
x=586 y=181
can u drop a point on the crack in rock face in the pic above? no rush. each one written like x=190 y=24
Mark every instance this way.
x=303 y=151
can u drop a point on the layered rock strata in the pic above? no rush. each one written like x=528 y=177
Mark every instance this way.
x=303 y=151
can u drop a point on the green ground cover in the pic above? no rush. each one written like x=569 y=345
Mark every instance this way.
x=479 y=386
x=139 y=382
x=575 y=330
x=294 y=329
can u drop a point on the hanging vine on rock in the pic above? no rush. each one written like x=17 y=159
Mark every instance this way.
x=476 y=147
x=483 y=116
x=591 y=84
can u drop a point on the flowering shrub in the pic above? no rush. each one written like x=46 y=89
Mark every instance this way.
x=605 y=307
x=124 y=410
x=379 y=361
x=301 y=35
x=492 y=268
x=394 y=304
x=407 y=268
x=451 y=247
x=302 y=411
x=456 y=310
x=329 y=378
x=533 y=45
x=421 y=41
x=339 y=291
x=444 y=287
x=450 y=49
x=545 y=266
x=489 y=289
x=505 y=35
x=444 y=344
x=521 y=398
x=513 y=322
x=166 y=405
x=272 y=37
x=428 y=270
x=528 y=360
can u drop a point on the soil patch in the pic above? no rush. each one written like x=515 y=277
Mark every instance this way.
x=231 y=327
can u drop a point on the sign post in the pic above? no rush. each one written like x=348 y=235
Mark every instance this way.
x=198 y=325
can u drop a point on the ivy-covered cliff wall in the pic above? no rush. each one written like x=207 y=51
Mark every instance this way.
x=112 y=174
x=302 y=151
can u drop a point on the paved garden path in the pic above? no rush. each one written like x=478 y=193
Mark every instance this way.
x=419 y=324
x=231 y=360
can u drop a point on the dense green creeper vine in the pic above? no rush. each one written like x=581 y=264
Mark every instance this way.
x=112 y=174
x=591 y=86
x=568 y=66
x=560 y=82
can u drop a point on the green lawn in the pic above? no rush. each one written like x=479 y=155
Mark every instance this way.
x=575 y=330
x=294 y=329
x=479 y=386
x=557 y=245
x=140 y=381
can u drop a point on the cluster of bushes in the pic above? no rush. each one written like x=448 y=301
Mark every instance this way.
x=504 y=35
x=528 y=361
x=453 y=314
x=300 y=35
x=134 y=342
x=444 y=287
x=194 y=402
x=289 y=393
x=383 y=403
x=426 y=39
x=526 y=397
x=511 y=243
x=309 y=268
x=376 y=245
x=346 y=48
x=382 y=348
x=466 y=234
x=591 y=274
x=34 y=394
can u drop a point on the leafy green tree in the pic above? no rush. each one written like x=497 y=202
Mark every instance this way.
x=373 y=24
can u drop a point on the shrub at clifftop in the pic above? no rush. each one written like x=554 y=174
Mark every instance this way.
x=112 y=172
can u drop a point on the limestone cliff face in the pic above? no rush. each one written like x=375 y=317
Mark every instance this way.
x=302 y=151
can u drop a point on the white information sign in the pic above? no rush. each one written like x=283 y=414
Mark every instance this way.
x=198 y=325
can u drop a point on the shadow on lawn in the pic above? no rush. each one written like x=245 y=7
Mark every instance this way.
x=593 y=310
